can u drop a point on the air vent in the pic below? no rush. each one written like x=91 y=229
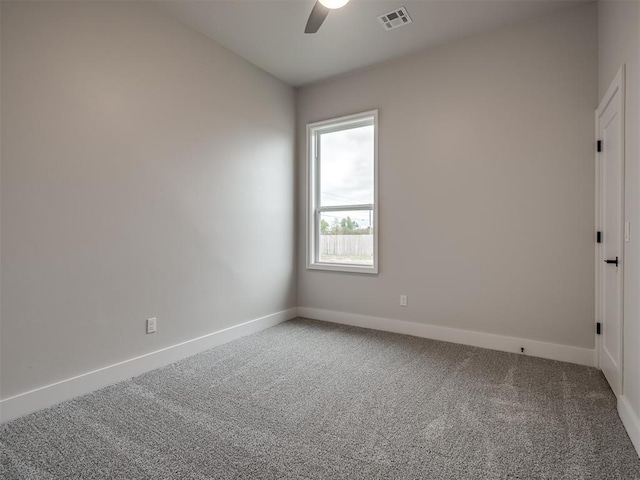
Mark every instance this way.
x=395 y=19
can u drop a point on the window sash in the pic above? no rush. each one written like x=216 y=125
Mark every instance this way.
x=317 y=231
x=317 y=153
x=345 y=208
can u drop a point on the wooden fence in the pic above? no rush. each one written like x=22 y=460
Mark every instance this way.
x=346 y=245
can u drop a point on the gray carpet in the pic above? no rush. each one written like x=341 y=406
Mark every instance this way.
x=308 y=399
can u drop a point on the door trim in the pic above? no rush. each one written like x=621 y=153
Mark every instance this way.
x=617 y=85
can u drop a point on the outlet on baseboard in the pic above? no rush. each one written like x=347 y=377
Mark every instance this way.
x=403 y=300
x=151 y=325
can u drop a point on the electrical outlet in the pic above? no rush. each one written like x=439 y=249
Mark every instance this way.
x=627 y=232
x=151 y=325
x=403 y=300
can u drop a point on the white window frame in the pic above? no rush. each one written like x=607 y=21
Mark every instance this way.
x=313 y=192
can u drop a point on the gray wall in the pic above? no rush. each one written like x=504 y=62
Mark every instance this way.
x=619 y=43
x=146 y=171
x=486 y=183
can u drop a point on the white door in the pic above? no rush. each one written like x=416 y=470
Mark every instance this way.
x=609 y=258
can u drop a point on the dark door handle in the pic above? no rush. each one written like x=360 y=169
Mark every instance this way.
x=615 y=262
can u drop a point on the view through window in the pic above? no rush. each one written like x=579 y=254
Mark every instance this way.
x=342 y=184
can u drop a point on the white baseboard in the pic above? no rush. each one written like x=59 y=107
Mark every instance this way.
x=630 y=421
x=49 y=395
x=553 y=351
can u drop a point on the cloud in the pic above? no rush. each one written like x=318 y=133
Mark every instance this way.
x=346 y=167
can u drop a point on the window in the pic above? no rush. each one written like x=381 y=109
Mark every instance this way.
x=342 y=187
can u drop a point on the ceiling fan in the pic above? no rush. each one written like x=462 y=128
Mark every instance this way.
x=320 y=11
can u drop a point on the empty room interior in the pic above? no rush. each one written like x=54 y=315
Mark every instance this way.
x=332 y=239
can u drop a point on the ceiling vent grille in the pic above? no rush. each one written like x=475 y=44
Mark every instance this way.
x=395 y=19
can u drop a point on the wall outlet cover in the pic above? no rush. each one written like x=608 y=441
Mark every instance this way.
x=627 y=232
x=151 y=325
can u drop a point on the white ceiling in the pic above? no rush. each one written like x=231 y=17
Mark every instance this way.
x=269 y=33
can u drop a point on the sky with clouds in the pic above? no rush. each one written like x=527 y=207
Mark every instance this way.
x=346 y=170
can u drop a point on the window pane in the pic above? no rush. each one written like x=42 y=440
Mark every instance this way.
x=346 y=237
x=346 y=167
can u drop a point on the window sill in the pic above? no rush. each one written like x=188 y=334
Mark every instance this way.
x=337 y=267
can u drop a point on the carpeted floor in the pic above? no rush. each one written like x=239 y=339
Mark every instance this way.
x=308 y=399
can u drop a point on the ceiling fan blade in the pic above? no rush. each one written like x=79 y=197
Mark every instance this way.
x=318 y=14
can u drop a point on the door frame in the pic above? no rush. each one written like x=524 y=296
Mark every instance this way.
x=617 y=85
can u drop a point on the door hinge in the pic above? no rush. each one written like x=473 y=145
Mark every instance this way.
x=599 y=145
x=598 y=237
x=598 y=328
